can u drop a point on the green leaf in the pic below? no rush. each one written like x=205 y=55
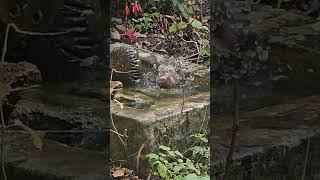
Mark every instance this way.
x=162 y=154
x=195 y=176
x=197 y=150
x=155 y=163
x=162 y=170
x=172 y=153
x=179 y=167
x=173 y=28
x=204 y=28
x=179 y=154
x=191 y=177
x=190 y=165
x=152 y=156
x=196 y=24
x=181 y=25
x=165 y=148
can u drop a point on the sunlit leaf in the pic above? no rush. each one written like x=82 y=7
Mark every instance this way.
x=152 y=156
x=172 y=154
x=173 y=28
x=165 y=148
x=162 y=170
x=179 y=154
x=119 y=103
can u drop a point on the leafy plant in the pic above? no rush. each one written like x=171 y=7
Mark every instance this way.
x=205 y=49
x=197 y=24
x=168 y=163
x=177 y=26
x=145 y=23
x=183 y=7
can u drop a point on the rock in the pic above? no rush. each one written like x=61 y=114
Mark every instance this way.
x=159 y=124
x=53 y=107
x=116 y=84
x=55 y=161
x=316 y=26
x=169 y=70
x=80 y=36
x=115 y=35
x=19 y=74
x=167 y=77
x=121 y=28
x=134 y=99
x=116 y=20
x=139 y=35
x=270 y=141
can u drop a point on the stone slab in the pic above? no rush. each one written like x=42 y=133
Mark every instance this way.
x=56 y=161
x=160 y=124
x=271 y=142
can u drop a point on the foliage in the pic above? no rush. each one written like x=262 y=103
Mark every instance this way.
x=183 y=7
x=177 y=26
x=145 y=23
x=205 y=49
x=195 y=24
x=172 y=164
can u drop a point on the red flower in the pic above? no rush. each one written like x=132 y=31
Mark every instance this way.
x=130 y=35
x=139 y=8
x=126 y=9
x=136 y=8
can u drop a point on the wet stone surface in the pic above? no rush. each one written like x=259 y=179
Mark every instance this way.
x=160 y=123
x=271 y=142
x=55 y=162
x=55 y=110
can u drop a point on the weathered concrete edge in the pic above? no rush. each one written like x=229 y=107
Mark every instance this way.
x=274 y=161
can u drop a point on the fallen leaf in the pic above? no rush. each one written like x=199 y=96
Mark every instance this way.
x=119 y=103
x=4 y=90
x=118 y=173
x=36 y=139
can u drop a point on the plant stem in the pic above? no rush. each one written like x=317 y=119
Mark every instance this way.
x=306 y=160
x=235 y=127
x=2 y=142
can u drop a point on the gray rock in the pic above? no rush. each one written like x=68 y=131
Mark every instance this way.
x=116 y=20
x=115 y=35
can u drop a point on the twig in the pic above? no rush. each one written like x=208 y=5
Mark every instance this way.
x=306 y=160
x=198 y=49
x=5 y=44
x=204 y=119
x=191 y=56
x=183 y=98
x=2 y=142
x=114 y=126
x=138 y=158
x=235 y=127
x=18 y=30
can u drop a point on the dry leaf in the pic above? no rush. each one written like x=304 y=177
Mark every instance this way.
x=119 y=103
x=36 y=139
x=4 y=90
x=118 y=173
